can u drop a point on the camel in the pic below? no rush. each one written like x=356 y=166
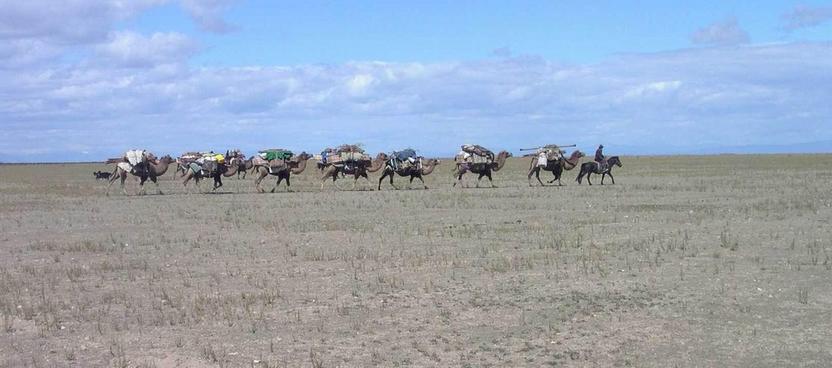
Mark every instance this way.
x=227 y=171
x=555 y=166
x=589 y=168
x=357 y=169
x=483 y=169
x=244 y=167
x=412 y=171
x=181 y=169
x=294 y=166
x=156 y=169
x=240 y=159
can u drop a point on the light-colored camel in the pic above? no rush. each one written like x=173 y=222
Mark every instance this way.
x=229 y=170
x=483 y=169
x=412 y=171
x=155 y=169
x=356 y=169
x=294 y=166
x=555 y=166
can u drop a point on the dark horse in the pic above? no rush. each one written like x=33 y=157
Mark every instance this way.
x=589 y=168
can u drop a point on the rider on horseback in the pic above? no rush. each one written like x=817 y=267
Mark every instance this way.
x=600 y=158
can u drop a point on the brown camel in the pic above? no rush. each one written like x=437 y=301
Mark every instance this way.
x=294 y=166
x=483 y=169
x=412 y=171
x=555 y=166
x=228 y=170
x=357 y=169
x=155 y=169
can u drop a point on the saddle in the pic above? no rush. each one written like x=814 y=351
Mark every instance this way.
x=601 y=167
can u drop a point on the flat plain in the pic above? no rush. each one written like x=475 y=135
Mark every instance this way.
x=688 y=261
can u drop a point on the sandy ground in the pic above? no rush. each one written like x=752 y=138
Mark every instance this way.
x=720 y=261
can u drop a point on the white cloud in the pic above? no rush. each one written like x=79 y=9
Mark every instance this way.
x=69 y=22
x=37 y=31
x=802 y=16
x=131 y=49
x=723 y=33
x=725 y=96
x=208 y=14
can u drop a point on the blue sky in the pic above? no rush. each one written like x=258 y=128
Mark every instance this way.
x=89 y=79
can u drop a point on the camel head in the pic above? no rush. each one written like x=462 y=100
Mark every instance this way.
x=382 y=156
x=578 y=154
x=167 y=159
x=303 y=156
x=432 y=161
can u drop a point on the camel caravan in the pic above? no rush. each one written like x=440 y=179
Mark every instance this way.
x=351 y=160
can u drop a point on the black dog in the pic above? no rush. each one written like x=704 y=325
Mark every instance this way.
x=100 y=175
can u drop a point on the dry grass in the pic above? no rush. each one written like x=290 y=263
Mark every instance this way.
x=687 y=261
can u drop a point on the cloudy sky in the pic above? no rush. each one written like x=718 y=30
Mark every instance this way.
x=85 y=80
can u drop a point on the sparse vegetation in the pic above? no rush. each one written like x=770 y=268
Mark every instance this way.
x=685 y=261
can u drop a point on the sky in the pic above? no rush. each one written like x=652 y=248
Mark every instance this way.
x=85 y=80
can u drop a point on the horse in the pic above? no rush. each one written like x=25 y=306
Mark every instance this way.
x=589 y=168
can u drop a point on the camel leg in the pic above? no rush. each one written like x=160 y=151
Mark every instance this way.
x=490 y=181
x=384 y=175
x=325 y=177
x=533 y=171
x=141 y=185
x=537 y=175
x=277 y=183
x=123 y=179
x=288 y=182
x=156 y=183
x=367 y=178
x=185 y=182
x=258 y=180
x=391 y=181
x=110 y=182
x=420 y=179
x=459 y=179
